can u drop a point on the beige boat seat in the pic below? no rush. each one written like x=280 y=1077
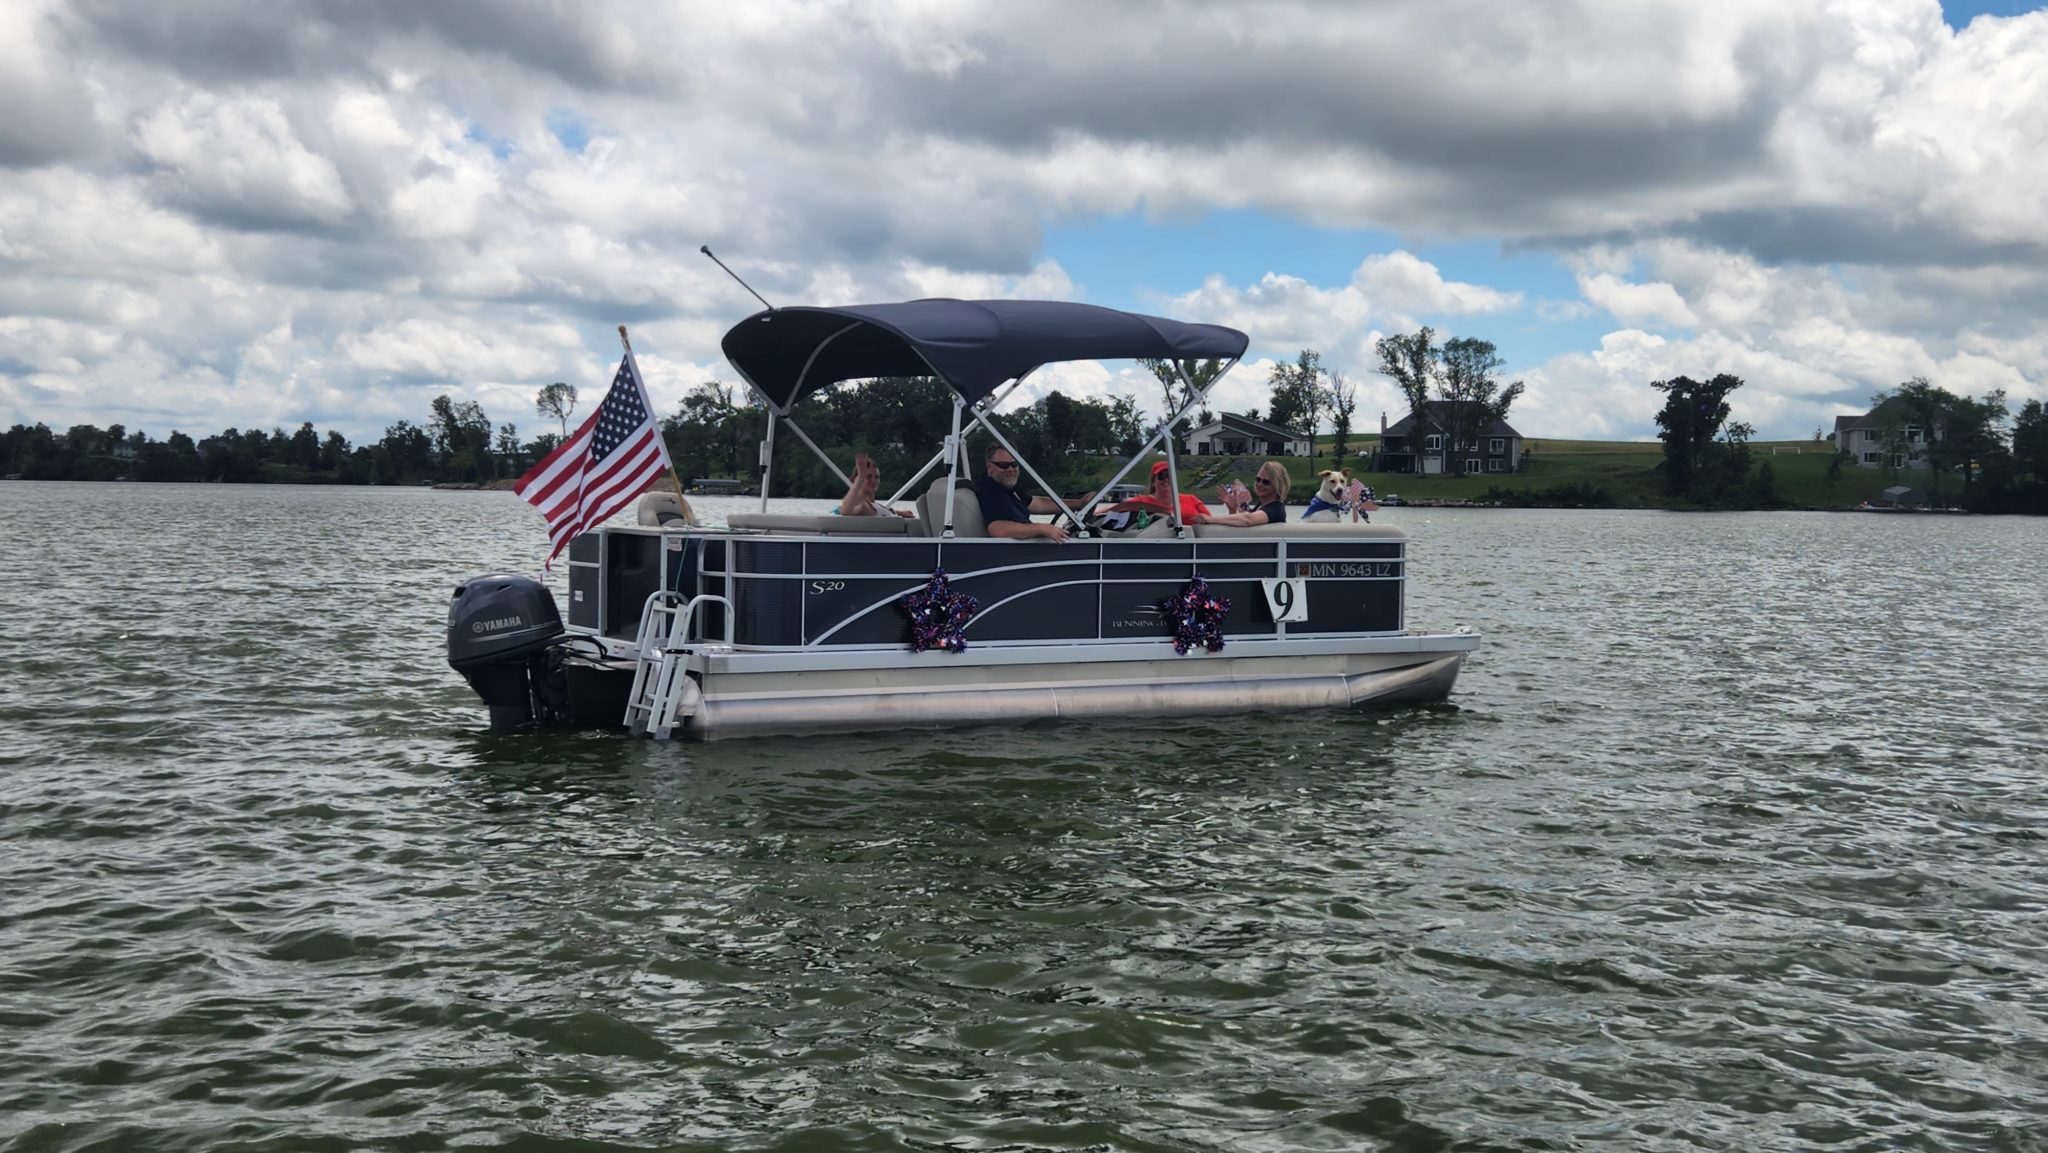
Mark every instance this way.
x=827 y=525
x=665 y=508
x=931 y=509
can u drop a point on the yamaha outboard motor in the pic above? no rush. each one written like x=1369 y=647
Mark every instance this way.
x=500 y=631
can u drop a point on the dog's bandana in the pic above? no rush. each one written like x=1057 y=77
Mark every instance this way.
x=1317 y=504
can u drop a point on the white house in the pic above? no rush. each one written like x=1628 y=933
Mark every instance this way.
x=1863 y=437
x=1234 y=435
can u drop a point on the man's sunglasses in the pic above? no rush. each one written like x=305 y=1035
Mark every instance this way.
x=1005 y=465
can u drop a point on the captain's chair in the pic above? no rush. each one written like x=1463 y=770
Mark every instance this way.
x=931 y=509
x=666 y=508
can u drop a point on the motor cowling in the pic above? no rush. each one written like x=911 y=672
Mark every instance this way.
x=500 y=631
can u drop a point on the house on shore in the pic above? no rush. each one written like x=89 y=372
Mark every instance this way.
x=1884 y=437
x=1232 y=434
x=1426 y=446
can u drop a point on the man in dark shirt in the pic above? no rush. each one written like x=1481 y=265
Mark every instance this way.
x=1007 y=514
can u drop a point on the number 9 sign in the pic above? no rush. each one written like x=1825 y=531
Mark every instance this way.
x=1287 y=597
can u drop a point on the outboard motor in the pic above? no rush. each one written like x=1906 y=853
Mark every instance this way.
x=500 y=632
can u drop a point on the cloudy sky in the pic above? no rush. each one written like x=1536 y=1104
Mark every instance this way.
x=261 y=212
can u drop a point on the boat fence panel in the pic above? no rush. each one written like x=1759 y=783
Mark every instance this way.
x=843 y=591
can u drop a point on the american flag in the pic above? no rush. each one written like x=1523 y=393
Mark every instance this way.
x=597 y=472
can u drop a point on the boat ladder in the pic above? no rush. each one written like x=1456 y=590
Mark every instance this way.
x=664 y=692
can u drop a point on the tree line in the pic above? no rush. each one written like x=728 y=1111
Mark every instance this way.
x=1991 y=458
x=455 y=444
x=1994 y=461
x=899 y=420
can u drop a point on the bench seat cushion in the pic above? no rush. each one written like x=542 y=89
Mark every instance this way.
x=828 y=525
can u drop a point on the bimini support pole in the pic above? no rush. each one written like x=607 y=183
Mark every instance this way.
x=953 y=465
x=1158 y=434
x=767 y=458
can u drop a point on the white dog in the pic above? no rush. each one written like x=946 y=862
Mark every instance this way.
x=1332 y=501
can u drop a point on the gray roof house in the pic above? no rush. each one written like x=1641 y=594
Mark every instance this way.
x=1429 y=449
x=1863 y=437
x=1233 y=434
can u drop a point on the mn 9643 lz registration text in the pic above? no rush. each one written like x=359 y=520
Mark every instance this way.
x=1350 y=569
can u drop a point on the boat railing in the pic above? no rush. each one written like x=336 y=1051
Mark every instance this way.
x=920 y=526
x=663 y=691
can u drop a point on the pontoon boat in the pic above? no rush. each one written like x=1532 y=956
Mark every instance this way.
x=779 y=624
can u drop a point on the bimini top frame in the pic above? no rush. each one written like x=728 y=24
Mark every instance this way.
x=973 y=346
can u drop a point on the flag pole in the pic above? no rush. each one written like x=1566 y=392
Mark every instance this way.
x=689 y=514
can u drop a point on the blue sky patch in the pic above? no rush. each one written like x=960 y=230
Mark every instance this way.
x=569 y=128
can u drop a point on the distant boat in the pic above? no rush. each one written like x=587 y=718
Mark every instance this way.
x=1866 y=506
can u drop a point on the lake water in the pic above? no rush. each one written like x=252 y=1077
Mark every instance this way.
x=1733 y=837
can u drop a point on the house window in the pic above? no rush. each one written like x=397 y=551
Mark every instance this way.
x=1494 y=465
x=1912 y=435
x=1500 y=445
x=1873 y=458
x=1869 y=434
x=1433 y=442
x=1471 y=464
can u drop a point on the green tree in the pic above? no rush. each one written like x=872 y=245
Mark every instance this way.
x=406 y=455
x=1974 y=441
x=1343 y=402
x=303 y=450
x=34 y=452
x=1298 y=394
x=1473 y=396
x=1093 y=432
x=1925 y=408
x=1412 y=360
x=1061 y=421
x=557 y=400
x=462 y=438
x=1175 y=391
x=705 y=435
x=2030 y=442
x=1126 y=426
x=1920 y=420
x=1691 y=421
x=175 y=458
x=507 y=445
x=1463 y=375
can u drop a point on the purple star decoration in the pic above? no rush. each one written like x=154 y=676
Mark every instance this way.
x=938 y=616
x=1197 y=617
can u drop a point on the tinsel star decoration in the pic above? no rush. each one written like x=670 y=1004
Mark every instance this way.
x=1197 y=616
x=938 y=615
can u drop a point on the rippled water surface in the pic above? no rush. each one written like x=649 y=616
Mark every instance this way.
x=1732 y=837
